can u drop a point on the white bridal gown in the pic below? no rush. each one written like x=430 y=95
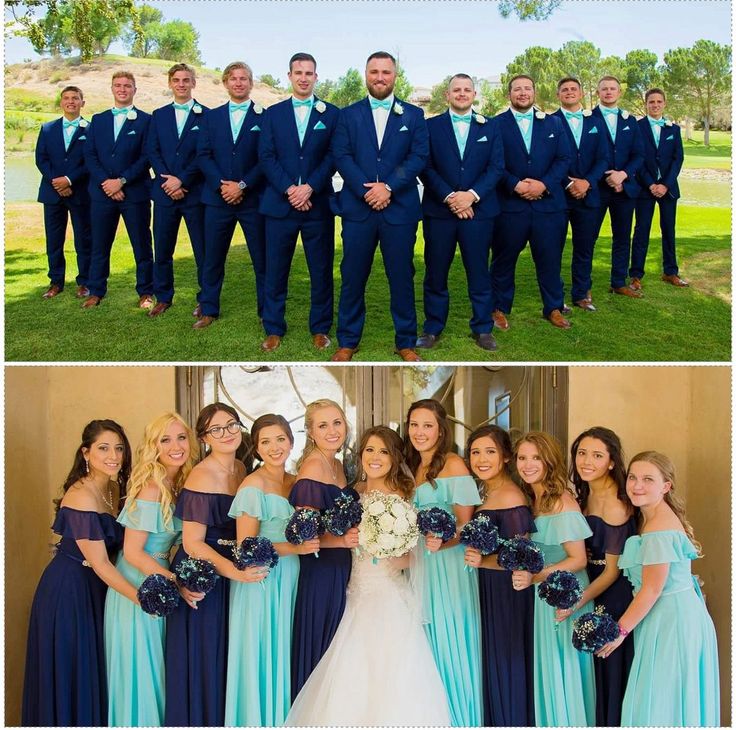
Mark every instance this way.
x=379 y=668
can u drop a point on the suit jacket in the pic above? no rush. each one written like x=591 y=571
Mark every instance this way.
x=285 y=161
x=548 y=161
x=171 y=154
x=219 y=158
x=627 y=153
x=402 y=156
x=107 y=157
x=590 y=160
x=668 y=158
x=53 y=160
x=481 y=167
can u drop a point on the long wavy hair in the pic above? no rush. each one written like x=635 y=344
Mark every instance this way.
x=90 y=434
x=444 y=440
x=148 y=469
x=264 y=421
x=399 y=477
x=666 y=468
x=243 y=452
x=615 y=452
x=502 y=441
x=309 y=412
x=555 y=477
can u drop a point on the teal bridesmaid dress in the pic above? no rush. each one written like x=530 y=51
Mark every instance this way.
x=451 y=605
x=134 y=640
x=674 y=676
x=261 y=616
x=564 y=678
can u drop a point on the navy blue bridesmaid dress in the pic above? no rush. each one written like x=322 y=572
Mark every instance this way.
x=320 y=593
x=611 y=673
x=196 y=641
x=65 y=681
x=507 y=633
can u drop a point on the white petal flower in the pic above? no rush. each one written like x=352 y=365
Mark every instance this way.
x=402 y=526
x=624 y=114
x=132 y=114
x=398 y=509
x=668 y=123
x=398 y=109
x=257 y=108
x=386 y=541
x=197 y=109
x=386 y=522
x=83 y=123
x=540 y=115
x=479 y=118
x=320 y=106
x=587 y=112
x=376 y=508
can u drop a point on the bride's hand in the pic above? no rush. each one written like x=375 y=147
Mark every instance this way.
x=472 y=557
x=433 y=543
x=307 y=547
x=351 y=538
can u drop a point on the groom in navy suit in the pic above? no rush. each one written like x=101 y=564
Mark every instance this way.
x=379 y=147
x=460 y=206
x=228 y=156
x=63 y=190
x=177 y=185
x=295 y=156
x=537 y=159
x=119 y=185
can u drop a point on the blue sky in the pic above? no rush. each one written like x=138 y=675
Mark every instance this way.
x=432 y=37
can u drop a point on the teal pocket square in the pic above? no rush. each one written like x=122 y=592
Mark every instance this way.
x=593 y=131
x=132 y=131
x=194 y=129
x=626 y=129
x=255 y=129
x=319 y=125
x=79 y=139
x=672 y=136
x=483 y=139
x=404 y=129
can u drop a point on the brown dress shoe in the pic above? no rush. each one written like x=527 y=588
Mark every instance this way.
x=204 y=321
x=499 y=319
x=408 y=355
x=53 y=291
x=82 y=292
x=635 y=284
x=557 y=320
x=626 y=291
x=271 y=343
x=321 y=342
x=344 y=354
x=160 y=308
x=145 y=301
x=197 y=311
x=91 y=301
x=586 y=304
x=675 y=280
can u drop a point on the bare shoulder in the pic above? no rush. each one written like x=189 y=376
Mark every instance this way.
x=454 y=467
x=616 y=513
x=313 y=468
x=510 y=496
x=81 y=498
x=289 y=480
x=569 y=503
x=202 y=478
x=254 y=479
x=150 y=492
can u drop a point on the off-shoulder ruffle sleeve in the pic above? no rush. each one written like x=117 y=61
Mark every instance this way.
x=207 y=508
x=514 y=521
x=560 y=528
x=249 y=501
x=312 y=493
x=610 y=539
x=654 y=548
x=84 y=525
x=146 y=516
x=449 y=490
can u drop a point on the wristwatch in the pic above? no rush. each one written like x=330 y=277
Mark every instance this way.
x=122 y=180
x=242 y=185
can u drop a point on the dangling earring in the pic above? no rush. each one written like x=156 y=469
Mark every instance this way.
x=363 y=476
x=86 y=466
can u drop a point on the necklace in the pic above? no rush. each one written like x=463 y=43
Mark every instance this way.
x=231 y=472
x=329 y=465
x=107 y=501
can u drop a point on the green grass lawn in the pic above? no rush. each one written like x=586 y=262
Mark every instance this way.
x=669 y=324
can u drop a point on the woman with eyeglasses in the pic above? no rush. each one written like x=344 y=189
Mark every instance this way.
x=196 y=637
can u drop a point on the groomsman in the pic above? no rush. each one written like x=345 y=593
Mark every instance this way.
x=588 y=163
x=460 y=206
x=295 y=157
x=63 y=190
x=119 y=185
x=619 y=188
x=228 y=156
x=533 y=209
x=663 y=157
x=177 y=186
x=379 y=147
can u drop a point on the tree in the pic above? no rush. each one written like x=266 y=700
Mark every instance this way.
x=143 y=46
x=270 y=81
x=438 y=98
x=348 y=89
x=528 y=9
x=541 y=65
x=50 y=36
x=178 y=41
x=325 y=89
x=581 y=60
x=640 y=75
x=699 y=78
x=491 y=101
x=403 y=87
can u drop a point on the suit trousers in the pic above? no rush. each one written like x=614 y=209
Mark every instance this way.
x=55 y=217
x=622 y=216
x=642 y=229
x=585 y=224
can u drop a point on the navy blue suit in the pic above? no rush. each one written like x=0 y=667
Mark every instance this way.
x=662 y=165
x=220 y=158
x=587 y=162
x=480 y=168
x=626 y=154
x=53 y=160
x=401 y=157
x=286 y=162
x=542 y=223
x=107 y=157
x=171 y=154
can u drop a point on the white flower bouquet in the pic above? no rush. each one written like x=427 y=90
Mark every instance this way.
x=389 y=526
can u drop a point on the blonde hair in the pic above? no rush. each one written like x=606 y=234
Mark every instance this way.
x=149 y=469
x=232 y=66
x=555 y=477
x=666 y=468
x=124 y=75
x=311 y=409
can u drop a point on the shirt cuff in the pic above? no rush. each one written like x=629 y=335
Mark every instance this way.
x=475 y=195
x=68 y=180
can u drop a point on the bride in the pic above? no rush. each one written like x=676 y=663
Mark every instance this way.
x=379 y=668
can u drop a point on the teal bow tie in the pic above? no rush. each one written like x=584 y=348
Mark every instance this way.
x=297 y=103
x=377 y=104
x=182 y=107
x=239 y=107
x=574 y=115
x=656 y=122
x=526 y=115
x=117 y=112
x=461 y=117
x=609 y=112
x=67 y=124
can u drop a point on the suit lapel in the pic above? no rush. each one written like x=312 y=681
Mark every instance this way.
x=314 y=117
x=517 y=132
x=367 y=114
x=78 y=132
x=392 y=123
x=190 y=122
x=449 y=132
x=123 y=130
x=607 y=128
x=566 y=126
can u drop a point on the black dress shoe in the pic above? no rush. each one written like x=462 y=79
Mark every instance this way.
x=485 y=341
x=427 y=342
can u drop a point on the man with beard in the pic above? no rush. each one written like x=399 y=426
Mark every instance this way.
x=379 y=147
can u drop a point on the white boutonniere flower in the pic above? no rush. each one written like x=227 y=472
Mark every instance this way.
x=624 y=114
x=83 y=123
x=479 y=118
x=320 y=106
x=668 y=123
x=257 y=108
x=587 y=112
x=398 y=109
x=132 y=114
x=540 y=115
x=197 y=109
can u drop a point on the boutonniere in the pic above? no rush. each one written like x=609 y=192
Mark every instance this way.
x=540 y=115
x=320 y=106
x=398 y=109
x=257 y=108
x=197 y=109
x=132 y=114
x=668 y=123
x=479 y=118
x=624 y=114
x=83 y=123
x=587 y=112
